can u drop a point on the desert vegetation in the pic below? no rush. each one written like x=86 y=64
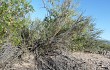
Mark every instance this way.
x=63 y=24
x=62 y=30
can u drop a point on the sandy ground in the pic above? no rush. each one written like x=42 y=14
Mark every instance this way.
x=93 y=59
x=90 y=56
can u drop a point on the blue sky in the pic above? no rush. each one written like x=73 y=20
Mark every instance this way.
x=98 y=9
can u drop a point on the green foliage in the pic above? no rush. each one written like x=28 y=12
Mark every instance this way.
x=104 y=44
x=12 y=18
x=76 y=32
